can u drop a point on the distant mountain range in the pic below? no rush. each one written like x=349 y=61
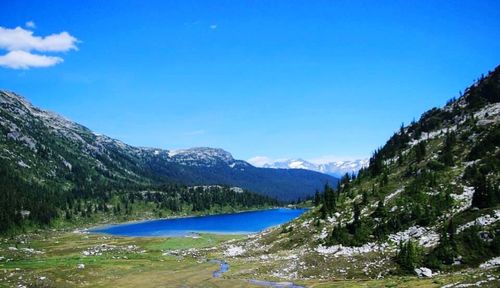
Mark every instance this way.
x=45 y=148
x=336 y=169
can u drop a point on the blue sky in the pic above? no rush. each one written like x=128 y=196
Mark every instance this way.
x=310 y=79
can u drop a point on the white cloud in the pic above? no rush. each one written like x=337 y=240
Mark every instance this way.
x=30 y=24
x=20 y=42
x=259 y=161
x=24 y=60
x=213 y=26
x=21 y=39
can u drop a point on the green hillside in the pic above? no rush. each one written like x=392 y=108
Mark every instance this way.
x=430 y=198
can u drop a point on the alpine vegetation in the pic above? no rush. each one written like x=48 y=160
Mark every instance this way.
x=427 y=204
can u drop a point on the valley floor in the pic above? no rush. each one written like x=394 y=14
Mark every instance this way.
x=75 y=259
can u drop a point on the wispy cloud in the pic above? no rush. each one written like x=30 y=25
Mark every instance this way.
x=20 y=43
x=213 y=26
x=30 y=24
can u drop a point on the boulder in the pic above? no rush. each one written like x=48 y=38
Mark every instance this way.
x=423 y=272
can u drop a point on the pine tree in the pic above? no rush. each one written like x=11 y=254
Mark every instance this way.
x=409 y=256
x=420 y=151
x=447 y=153
x=381 y=211
x=446 y=251
x=317 y=199
x=480 y=197
x=364 y=200
x=329 y=197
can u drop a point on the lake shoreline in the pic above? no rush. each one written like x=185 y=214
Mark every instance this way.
x=229 y=224
x=194 y=216
x=89 y=225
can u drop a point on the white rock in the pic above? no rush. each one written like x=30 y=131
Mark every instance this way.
x=80 y=266
x=425 y=236
x=484 y=220
x=392 y=195
x=324 y=234
x=423 y=272
x=492 y=263
x=340 y=250
x=234 y=251
x=464 y=199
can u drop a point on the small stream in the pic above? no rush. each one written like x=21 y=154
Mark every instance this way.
x=274 y=284
x=224 y=267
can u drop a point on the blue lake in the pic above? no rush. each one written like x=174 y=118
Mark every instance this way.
x=234 y=223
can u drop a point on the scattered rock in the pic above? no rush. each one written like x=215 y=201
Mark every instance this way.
x=425 y=236
x=484 y=220
x=340 y=250
x=492 y=263
x=104 y=248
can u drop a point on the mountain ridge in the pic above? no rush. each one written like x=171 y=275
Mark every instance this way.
x=52 y=145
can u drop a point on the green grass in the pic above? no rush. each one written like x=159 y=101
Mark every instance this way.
x=203 y=241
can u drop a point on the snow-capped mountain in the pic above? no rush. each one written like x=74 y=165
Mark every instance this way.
x=292 y=164
x=337 y=168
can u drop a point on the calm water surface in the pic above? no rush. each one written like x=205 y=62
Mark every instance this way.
x=234 y=223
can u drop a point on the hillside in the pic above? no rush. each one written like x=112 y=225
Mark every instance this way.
x=430 y=198
x=49 y=164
